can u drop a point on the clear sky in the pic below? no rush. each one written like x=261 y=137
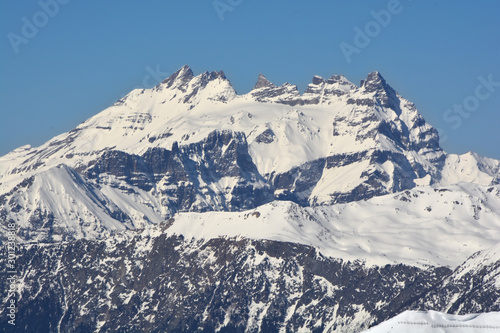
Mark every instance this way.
x=63 y=61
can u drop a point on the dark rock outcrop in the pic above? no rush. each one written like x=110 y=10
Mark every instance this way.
x=175 y=285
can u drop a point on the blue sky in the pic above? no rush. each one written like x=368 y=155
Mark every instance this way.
x=81 y=56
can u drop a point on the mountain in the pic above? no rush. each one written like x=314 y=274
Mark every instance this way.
x=192 y=144
x=149 y=281
x=204 y=210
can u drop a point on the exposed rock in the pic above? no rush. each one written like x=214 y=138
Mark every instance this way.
x=182 y=286
x=263 y=82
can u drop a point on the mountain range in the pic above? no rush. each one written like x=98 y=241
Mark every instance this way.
x=188 y=207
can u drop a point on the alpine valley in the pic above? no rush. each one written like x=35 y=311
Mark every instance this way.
x=190 y=208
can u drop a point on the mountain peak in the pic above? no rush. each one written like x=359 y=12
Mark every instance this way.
x=185 y=69
x=317 y=80
x=209 y=76
x=339 y=79
x=336 y=85
x=263 y=82
x=374 y=82
x=182 y=76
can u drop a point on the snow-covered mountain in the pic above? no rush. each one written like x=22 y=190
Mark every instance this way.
x=226 y=185
x=420 y=227
x=192 y=144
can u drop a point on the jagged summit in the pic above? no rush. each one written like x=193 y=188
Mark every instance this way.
x=374 y=89
x=209 y=76
x=336 y=85
x=317 y=79
x=265 y=91
x=263 y=82
x=183 y=75
x=337 y=78
x=375 y=82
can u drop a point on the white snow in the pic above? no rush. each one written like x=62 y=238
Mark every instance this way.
x=432 y=321
x=469 y=167
x=64 y=193
x=423 y=227
x=339 y=179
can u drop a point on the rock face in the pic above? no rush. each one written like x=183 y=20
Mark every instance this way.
x=151 y=283
x=263 y=82
x=192 y=144
x=472 y=287
x=216 y=174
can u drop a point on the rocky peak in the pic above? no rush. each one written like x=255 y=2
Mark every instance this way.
x=180 y=78
x=184 y=77
x=375 y=83
x=317 y=80
x=340 y=79
x=222 y=89
x=209 y=76
x=263 y=82
x=378 y=89
x=336 y=85
x=284 y=94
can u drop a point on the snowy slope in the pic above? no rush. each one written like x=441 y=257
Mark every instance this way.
x=433 y=321
x=69 y=206
x=478 y=261
x=469 y=167
x=425 y=226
